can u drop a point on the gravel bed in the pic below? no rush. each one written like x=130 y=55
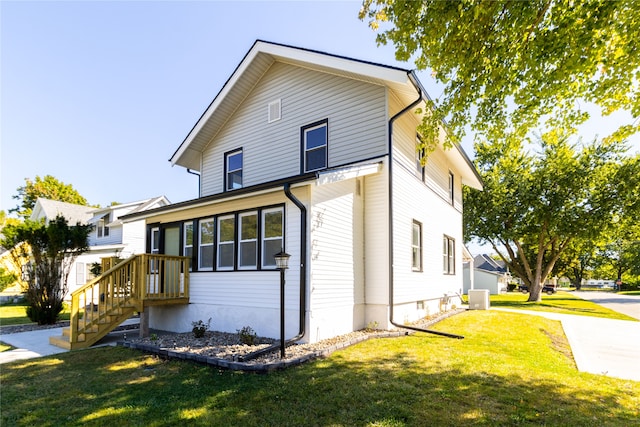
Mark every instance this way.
x=225 y=350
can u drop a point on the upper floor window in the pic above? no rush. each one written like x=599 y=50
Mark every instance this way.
x=416 y=246
x=233 y=169
x=451 y=187
x=103 y=230
x=448 y=255
x=314 y=146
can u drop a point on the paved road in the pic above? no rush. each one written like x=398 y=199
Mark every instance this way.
x=625 y=304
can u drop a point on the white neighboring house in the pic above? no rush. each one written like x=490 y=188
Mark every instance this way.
x=110 y=237
x=316 y=154
x=490 y=274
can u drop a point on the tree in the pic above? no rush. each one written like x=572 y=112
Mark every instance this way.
x=536 y=203
x=510 y=67
x=51 y=250
x=47 y=187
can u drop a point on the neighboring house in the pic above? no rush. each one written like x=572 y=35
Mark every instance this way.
x=467 y=271
x=109 y=237
x=315 y=154
x=490 y=274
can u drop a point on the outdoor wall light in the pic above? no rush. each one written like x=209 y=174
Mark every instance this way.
x=282 y=263
x=282 y=260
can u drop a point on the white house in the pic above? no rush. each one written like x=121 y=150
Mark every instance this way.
x=315 y=154
x=490 y=274
x=110 y=237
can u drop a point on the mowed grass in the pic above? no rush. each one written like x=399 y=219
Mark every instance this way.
x=560 y=302
x=501 y=374
x=16 y=314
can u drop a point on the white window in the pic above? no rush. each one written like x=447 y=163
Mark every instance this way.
x=448 y=255
x=187 y=249
x=155 y=240
x=272 y=235
x=226 y=242
x=103 y=230
x=205 y=244
x=80 y=273
x=314 y=143
x=248 y=244
x=416 y=247
x=233 y=168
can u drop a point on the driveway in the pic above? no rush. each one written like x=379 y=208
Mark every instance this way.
x=625 y=304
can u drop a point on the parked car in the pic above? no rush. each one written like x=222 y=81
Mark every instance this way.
x=549 y=289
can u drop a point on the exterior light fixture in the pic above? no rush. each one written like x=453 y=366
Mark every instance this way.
x=282 y=263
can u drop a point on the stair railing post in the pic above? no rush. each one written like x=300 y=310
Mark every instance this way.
x=73 y=324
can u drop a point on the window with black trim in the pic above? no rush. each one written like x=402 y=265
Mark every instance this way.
x=314 y=146
x=187 y=247
x=226 y=242
x=448 y=255
x=248 y=240
x=272 y=235
x=416 y=246
x=233 y=165
x=205 y=244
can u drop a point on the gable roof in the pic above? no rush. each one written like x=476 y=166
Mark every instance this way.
x=260 y=58
x=486 y=263
x=49 y=209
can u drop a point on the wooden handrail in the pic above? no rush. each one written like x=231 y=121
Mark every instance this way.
x=126 y=285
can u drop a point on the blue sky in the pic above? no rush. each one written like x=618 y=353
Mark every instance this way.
x=101 y=94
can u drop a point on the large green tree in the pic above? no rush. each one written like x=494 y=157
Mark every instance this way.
x=518 y=66
x=50 y=250
x=539 y=199
x=49 y=188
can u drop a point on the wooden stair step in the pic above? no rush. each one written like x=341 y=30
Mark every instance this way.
x=60 y=341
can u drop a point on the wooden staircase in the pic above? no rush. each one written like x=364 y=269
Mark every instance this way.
x=130 y=286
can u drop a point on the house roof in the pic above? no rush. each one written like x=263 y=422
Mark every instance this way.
x=49 y=209
x=486 y=263
x=262 y=56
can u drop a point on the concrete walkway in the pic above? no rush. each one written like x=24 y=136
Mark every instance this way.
x=600 y=346
x=36 y=343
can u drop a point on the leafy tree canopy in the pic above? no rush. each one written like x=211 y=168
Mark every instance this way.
x=49 y=188
x=515 y=66
x=536 y=203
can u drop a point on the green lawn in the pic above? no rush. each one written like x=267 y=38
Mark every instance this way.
x=16 y=314
x=500 y=374
x=637 y=293
x=560 y=302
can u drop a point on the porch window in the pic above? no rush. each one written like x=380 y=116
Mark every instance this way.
x=448 y=255
x=233 y=170
x=226 y=242
x=248 y=245
x=103 y=230
x=205 y=244
x=416 y=246
x=272 y=235
x=187 y=249
x=314 y=146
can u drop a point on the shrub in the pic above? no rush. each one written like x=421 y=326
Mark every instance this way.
x=247 y=335
x=199 y=328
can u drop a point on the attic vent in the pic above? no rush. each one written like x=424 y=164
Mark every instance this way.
x=274 y=111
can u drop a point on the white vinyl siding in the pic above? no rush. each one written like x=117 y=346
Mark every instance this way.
x=355 y=111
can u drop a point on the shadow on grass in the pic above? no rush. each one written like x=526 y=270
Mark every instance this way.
x=117 y=386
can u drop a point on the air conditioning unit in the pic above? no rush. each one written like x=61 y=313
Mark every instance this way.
x=479 y=299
